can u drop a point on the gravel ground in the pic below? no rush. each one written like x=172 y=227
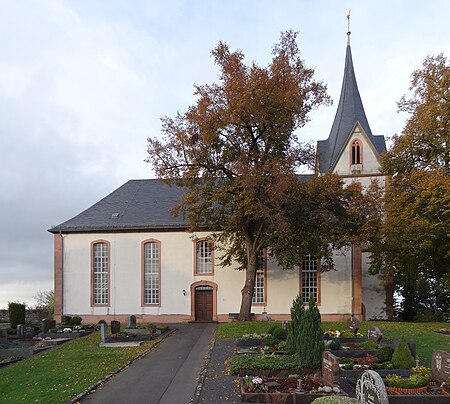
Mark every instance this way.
x=219 y=387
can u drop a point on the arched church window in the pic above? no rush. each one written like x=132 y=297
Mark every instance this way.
x=356 y=152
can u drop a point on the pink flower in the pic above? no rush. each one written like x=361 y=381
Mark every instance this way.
x=257 y=380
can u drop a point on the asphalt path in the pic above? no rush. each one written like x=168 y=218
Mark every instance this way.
x=167 y=375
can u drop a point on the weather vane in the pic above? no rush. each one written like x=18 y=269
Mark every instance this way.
x=348 y=26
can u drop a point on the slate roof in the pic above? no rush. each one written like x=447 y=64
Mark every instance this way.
x=140 y=205
x=350 y=110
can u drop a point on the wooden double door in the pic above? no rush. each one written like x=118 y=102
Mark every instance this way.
x=204 y=303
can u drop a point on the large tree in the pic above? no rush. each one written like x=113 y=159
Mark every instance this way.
x=236 y=152
x=417 y=226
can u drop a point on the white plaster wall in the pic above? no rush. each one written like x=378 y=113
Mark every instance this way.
x=374 y=293
x=370 y=163
x=177 y=274
x=336 y=291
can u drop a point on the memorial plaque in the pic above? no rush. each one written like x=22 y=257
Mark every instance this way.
x=330 y=368
x=131 y=322
x=440 y=365
x=374 y=333
x=353 y=325
x=370 y=389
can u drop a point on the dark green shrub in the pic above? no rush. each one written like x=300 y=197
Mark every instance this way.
x=310 y=345
x=16 y=314
x=402 y=357
x=274 y=362
x=335 y=344
x=101 y=322
x=76 y=320
x=277 y=334
x=65 y=320
x=369 y=345
x=297 y=312
x=385 y=354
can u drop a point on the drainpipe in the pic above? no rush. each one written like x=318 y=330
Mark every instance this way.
x=353 y=282
x=62 y=273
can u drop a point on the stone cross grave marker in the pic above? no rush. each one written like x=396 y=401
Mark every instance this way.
x=370 y=389
x=115 y=327
x=374 y=333
x=103 y=333
x=440 y=365
x=353 y=324
x=330 y=368
x=131 y=322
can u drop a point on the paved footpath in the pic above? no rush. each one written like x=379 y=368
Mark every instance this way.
x=169 y=374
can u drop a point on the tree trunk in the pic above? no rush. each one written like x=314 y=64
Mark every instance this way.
x=249 y=286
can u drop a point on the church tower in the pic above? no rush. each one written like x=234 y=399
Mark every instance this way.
x=353 y=152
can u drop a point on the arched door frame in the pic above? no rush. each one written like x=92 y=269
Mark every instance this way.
x=204 y=283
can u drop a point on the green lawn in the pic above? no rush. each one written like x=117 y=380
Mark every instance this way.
x=62 y=373
x=423 y=334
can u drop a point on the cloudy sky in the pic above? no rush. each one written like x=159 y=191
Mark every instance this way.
x=83 y=83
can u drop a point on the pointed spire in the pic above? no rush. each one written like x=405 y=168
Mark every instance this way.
x=350 y=111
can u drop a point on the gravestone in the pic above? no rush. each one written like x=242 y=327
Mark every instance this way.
x=3 y=335
x=103 y=333
x=374 y=334
x=440 y=365
x=25 y=331
x=115 y=327
x=285 y=325
x=330 y=368
x=131 y=322
x=353 y=324
x=370 y=389
x=47 y=325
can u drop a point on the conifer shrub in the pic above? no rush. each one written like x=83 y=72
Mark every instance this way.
x=402 y=357
x=310 y=345
x=16 y=314
x=297 y=312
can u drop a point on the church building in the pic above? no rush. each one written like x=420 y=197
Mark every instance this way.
x=127 y=255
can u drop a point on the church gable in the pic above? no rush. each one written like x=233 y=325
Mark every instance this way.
x=358 y=156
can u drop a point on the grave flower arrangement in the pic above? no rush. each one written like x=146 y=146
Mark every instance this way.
x=254 y=384
x=445 y=386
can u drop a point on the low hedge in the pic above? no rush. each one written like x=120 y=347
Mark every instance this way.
x=271 y=362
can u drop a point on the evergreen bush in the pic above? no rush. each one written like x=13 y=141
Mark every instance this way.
x=402 y=357
x=297 y=312
x=385 y=354
x=16 y=314
x=76 y=320
x=310 y=345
